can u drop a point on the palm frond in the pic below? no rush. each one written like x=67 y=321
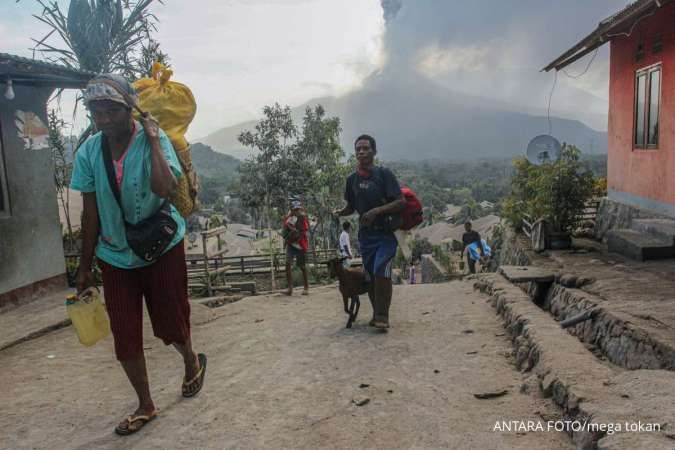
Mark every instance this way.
x=96 y=34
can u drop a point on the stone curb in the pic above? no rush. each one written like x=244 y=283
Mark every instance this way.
x=38 y=333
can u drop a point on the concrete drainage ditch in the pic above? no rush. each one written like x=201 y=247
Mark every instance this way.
x=620 y=341
x=608 y=335
x=587 y=390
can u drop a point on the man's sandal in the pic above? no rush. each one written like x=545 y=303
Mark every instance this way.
x=128 y=426
x=197 y=379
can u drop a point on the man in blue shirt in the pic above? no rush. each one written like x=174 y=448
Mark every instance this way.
x=375 y=194
x=145 y=170
x=468 y=238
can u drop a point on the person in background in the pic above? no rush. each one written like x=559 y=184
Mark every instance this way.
x=345 y=245
x=413 y=277
x=295 y=239
x=145 y=170
x=375 y=194
x=469 y=237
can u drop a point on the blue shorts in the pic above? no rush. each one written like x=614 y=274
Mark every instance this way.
x=377 y=250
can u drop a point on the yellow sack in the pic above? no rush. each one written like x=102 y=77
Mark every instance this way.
x=171 y=103
x=174 y=107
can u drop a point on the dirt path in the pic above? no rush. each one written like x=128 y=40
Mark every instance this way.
x=283 y=373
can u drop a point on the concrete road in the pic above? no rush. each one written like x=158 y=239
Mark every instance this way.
x=283 y=372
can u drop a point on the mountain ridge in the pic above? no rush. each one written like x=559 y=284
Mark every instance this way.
x=409 y=115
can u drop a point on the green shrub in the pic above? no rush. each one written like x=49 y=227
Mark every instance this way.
x=420 y=247
x=443 y=257
x=556 y=192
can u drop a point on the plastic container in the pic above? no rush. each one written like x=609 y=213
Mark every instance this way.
x=89 y=316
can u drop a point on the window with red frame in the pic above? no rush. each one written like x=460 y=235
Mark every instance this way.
x=647 y=105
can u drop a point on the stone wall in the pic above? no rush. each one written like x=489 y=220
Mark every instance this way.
x=614 y=215
x=510 y=249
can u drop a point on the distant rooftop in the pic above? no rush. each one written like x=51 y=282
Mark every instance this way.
x=619 y=23
x=32 y=72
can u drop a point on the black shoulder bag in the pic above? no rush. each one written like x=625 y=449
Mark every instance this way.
x=149 y=237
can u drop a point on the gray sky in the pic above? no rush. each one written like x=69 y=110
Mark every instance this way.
x=238 y=55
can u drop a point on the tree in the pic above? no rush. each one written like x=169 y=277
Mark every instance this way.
x=63 y=169
x=308 y=164
x=320 y=172
x=140 y=65
x=263 y=175
x=263 y=181
x=101 y=36
x=470 y=211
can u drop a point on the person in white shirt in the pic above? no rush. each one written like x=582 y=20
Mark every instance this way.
x=345 y=246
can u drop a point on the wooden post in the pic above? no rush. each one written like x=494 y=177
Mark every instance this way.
x=271 y=244
x=206 y=264
x=242 y=266
x=274 y=281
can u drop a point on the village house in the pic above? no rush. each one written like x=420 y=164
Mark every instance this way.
x=636 y=218
x=31 y=248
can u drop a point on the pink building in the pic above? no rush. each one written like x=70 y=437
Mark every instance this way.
x=641 y=129
x=641 y=126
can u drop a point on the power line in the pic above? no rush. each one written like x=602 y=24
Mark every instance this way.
x=555 y=81
x=587 y=66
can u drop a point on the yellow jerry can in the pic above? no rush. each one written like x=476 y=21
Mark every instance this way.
x=89 y=316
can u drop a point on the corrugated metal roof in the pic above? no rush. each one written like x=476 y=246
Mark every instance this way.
x=619 y=22
x=33 y=72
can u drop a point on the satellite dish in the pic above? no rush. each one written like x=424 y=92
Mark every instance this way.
x=543 y=149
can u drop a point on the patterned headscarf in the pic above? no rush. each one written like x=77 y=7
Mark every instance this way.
x=97 y=89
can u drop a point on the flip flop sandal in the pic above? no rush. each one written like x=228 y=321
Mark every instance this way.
x=199 y=378
x=142 y=418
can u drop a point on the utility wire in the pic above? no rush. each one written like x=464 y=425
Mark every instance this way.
x=632 y=26
x=555 y=78
x=555 y=81
x=588 y=66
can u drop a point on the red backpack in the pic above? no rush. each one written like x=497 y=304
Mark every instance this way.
x=412 y=214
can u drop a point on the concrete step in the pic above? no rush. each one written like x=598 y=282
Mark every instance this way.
x=249 y=286
x=664 y=228
x=639 y=246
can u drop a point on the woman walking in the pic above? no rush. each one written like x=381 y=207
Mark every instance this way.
x=126 y=172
